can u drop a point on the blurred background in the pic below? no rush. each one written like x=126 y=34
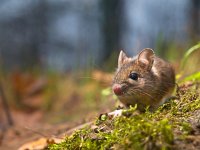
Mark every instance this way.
x=57 y=57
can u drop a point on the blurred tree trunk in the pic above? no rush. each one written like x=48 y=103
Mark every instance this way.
x=37 y=23
x=113 y=11
x=195 y=21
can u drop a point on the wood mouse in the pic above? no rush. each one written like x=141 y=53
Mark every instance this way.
x=145 y=80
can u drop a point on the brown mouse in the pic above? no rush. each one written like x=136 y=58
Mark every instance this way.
x=145 y=80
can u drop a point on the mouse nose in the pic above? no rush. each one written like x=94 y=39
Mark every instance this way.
x=117 y=89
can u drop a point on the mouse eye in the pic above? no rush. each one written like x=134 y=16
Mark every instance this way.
x=133 y=76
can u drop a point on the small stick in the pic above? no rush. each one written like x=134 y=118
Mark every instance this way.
x=68 y=132
x=5 y=106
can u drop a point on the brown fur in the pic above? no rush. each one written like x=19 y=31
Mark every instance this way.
x=156 y=79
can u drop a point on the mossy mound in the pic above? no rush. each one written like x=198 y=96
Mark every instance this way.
x=175 y=125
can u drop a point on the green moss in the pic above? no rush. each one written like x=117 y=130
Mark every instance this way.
x=150 y=130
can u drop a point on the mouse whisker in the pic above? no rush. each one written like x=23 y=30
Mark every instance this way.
x=151 y=88
x=141 y=92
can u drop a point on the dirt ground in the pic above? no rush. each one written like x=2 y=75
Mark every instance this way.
x=30 y=127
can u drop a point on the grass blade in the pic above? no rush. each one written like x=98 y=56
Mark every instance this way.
x=188 y=53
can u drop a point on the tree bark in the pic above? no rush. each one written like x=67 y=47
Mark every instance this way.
x=195 y=21
x=111 y=26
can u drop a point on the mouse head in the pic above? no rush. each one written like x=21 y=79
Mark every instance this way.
x=133 y=74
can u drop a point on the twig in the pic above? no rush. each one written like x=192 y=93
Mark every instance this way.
x=5 y=106
x=78 y=127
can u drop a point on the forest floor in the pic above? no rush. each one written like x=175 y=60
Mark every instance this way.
x=56 y=105
x=175 y=125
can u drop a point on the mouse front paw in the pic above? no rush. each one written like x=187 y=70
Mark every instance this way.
x=115 y=113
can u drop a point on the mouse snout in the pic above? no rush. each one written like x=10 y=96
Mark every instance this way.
x=117 y=89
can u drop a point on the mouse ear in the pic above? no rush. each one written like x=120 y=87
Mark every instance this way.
x=122 y=59
x=146 y=58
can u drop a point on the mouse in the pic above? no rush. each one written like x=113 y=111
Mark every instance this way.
x=145 y=80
